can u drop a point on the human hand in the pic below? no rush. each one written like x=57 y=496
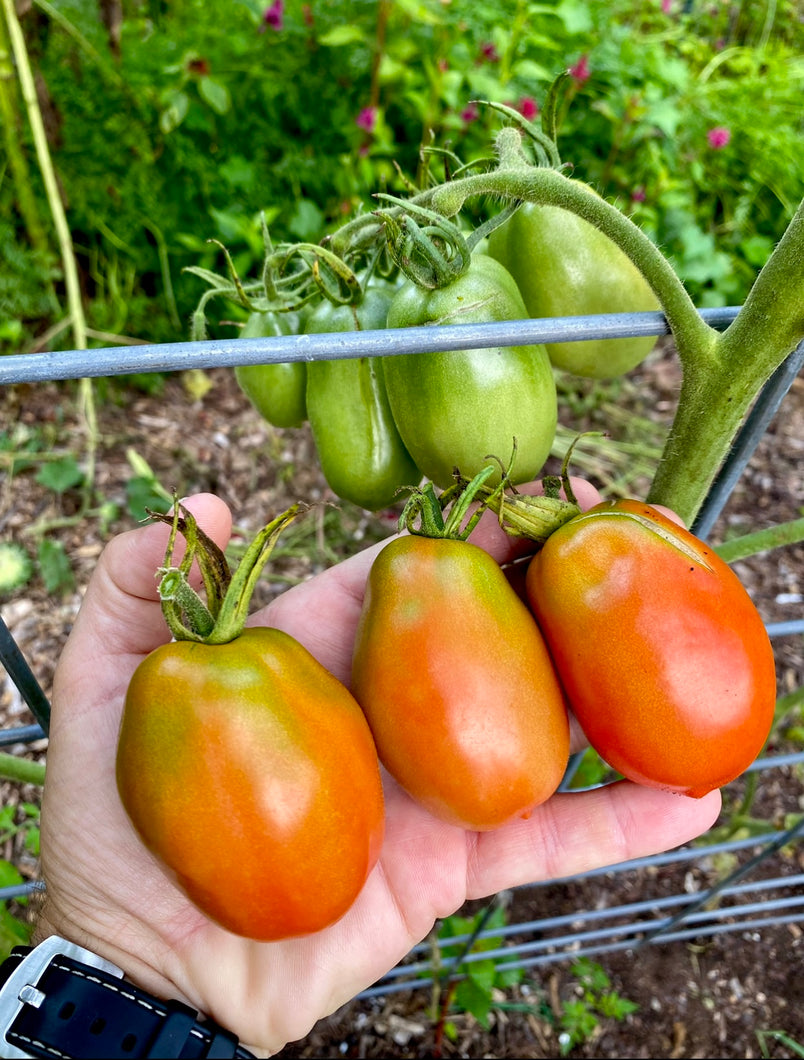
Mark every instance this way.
x=106 y=892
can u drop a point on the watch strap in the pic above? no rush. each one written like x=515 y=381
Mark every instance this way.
x=59 y=1000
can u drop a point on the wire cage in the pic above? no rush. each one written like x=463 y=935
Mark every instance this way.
x=741 y=898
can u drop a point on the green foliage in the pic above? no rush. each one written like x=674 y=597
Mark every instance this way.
x=16 y=567
x=581 y=1016
x=195 y=132
x=474 y=981
x=13 y=930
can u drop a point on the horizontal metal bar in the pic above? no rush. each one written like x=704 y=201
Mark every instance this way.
x=23 y=734
x=786 y=629
x=222 y=353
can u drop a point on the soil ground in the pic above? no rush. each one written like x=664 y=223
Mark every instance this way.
x=739 y=993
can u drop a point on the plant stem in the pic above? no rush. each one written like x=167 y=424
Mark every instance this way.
x=722 y=373
x=71 y=282
x=12 y=767
x=789 y=533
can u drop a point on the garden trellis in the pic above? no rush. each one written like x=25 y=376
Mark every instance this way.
x=754 y=903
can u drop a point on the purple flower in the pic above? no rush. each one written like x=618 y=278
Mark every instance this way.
x=469 y=113
x=367 y=119
x=580 y=72
x=528 y=108
x=273 y=16
x=489 y=53
x=718 y=137
x=638 y=195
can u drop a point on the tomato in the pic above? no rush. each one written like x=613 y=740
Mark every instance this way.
x=564 y=266
x=457 y=685
x=664 y=658
x=462 y=406
x=250 y=772
x=277 y=391
x=362 y=455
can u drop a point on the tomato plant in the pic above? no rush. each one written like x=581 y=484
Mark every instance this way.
x=277 y=391
x=564 y=266
x=454 y=676
x=243 y=764
x=665 y=660
x=459 y=407
x=362 y=456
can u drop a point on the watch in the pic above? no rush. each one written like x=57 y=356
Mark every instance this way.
x=60 y=1000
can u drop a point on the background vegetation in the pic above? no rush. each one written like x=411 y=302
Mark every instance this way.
x=173 y=123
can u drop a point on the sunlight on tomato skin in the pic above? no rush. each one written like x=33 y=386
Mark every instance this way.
x=250 y=772
x=457 y=685
x=663 y=656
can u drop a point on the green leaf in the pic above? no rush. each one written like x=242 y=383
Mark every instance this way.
x=54 y=566
x=341 y=36
x=174 y=113
x=60 y=475
x=469 y=997
x=615 y=1006
x=575 y=16
x=215 y=94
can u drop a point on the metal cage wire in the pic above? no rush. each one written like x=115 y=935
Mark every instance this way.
x=584 y=932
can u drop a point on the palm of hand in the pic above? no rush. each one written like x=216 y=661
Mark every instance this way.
x=108 y=893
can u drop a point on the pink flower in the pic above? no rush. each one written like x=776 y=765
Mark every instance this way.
x=469 y=113
x=528 y=108
x=273 y=16
x=718 y=137
x=367 y=119
x=667 y=6
x=580 y=72
x=638 y=195
x=489 y=53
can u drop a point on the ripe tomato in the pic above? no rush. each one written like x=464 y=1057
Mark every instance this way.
x=277 y=391
x=564 y=266
x=461 y=406
x=664 y=658
x=250 y=772
x=457 y=684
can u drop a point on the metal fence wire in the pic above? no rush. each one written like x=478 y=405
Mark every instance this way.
x=744 y=899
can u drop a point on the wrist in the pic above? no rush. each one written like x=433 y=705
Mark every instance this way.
x=58 y=999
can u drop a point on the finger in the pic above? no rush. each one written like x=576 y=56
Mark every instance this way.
x=574 y=833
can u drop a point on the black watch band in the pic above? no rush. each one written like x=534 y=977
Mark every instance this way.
x=59 y=1000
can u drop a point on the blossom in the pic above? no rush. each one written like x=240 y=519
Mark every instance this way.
x=667 y=6
x=273 y=16
x=718 y=137
x=489 y=53
x=469 y=113
x=580 y=72
x=528 y=108
x=367 y=119
x=638 y=195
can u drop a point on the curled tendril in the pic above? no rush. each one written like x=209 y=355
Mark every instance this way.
x=432 y=255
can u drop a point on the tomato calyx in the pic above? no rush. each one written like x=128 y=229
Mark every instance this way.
x=222 y=617
x=423 y=514
x=432 y=254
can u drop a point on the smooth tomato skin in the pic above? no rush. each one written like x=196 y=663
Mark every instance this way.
x=458 y=407
x=564 y=266
x=664 y=658
x=362 y=455
x=457 y=684
x=251 y=774
x=277 y=391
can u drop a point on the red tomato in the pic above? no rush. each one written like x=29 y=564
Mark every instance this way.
x=664 y=658
x=457 y=685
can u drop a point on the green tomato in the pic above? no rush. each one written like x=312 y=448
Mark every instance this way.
x=277 y=391
x=566 y=267
x=362 y=455
x=455 y=409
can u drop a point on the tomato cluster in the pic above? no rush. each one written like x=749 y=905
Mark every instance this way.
x=461 y=688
